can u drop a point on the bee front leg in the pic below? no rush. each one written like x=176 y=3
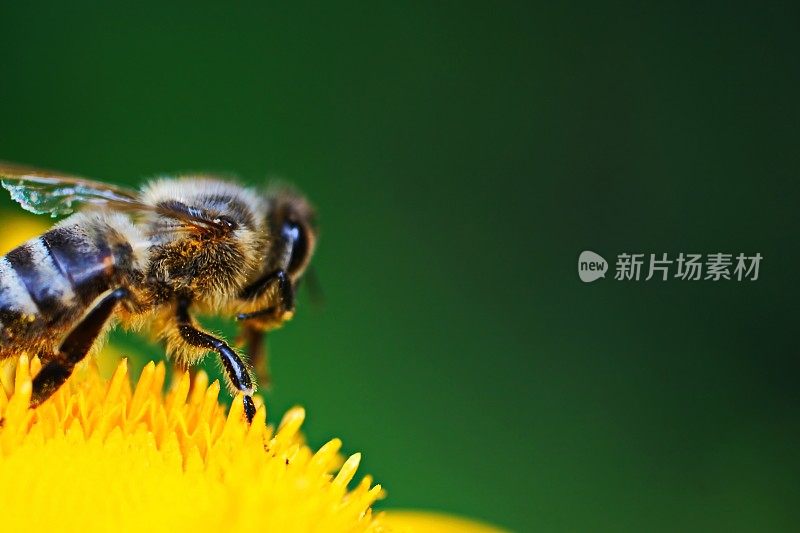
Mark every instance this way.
x=255 y=323
x=74 y=348
x=285 y=292
x=235 y=368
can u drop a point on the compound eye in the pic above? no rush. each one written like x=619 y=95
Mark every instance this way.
x=296 y=235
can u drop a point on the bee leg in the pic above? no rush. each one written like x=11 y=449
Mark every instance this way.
x=272 y=315
x=285 y=304
x=257 y=353
x=234 y=367
x=259 y=286
x=74 y=348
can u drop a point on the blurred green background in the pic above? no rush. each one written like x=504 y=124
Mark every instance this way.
x=461 y=156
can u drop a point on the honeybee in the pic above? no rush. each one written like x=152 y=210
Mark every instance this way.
x=150 y=259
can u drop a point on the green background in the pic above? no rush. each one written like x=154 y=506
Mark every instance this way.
x=461 y=156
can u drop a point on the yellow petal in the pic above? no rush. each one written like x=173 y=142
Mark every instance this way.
x=101 y=455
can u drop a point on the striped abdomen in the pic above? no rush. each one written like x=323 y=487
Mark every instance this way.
x=47 y=283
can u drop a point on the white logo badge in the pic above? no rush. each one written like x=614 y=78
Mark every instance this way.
x=591 y=266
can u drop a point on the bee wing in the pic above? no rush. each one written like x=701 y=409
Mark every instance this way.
x=43 y=191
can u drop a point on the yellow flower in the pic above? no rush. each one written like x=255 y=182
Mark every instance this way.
x=100 y=453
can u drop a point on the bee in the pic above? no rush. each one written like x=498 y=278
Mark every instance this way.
x=151 y=259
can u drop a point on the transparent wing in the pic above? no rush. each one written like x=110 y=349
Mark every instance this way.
x=46 y=192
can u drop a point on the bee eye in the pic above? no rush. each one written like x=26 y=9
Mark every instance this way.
x=296 y=235
x=226 y=222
